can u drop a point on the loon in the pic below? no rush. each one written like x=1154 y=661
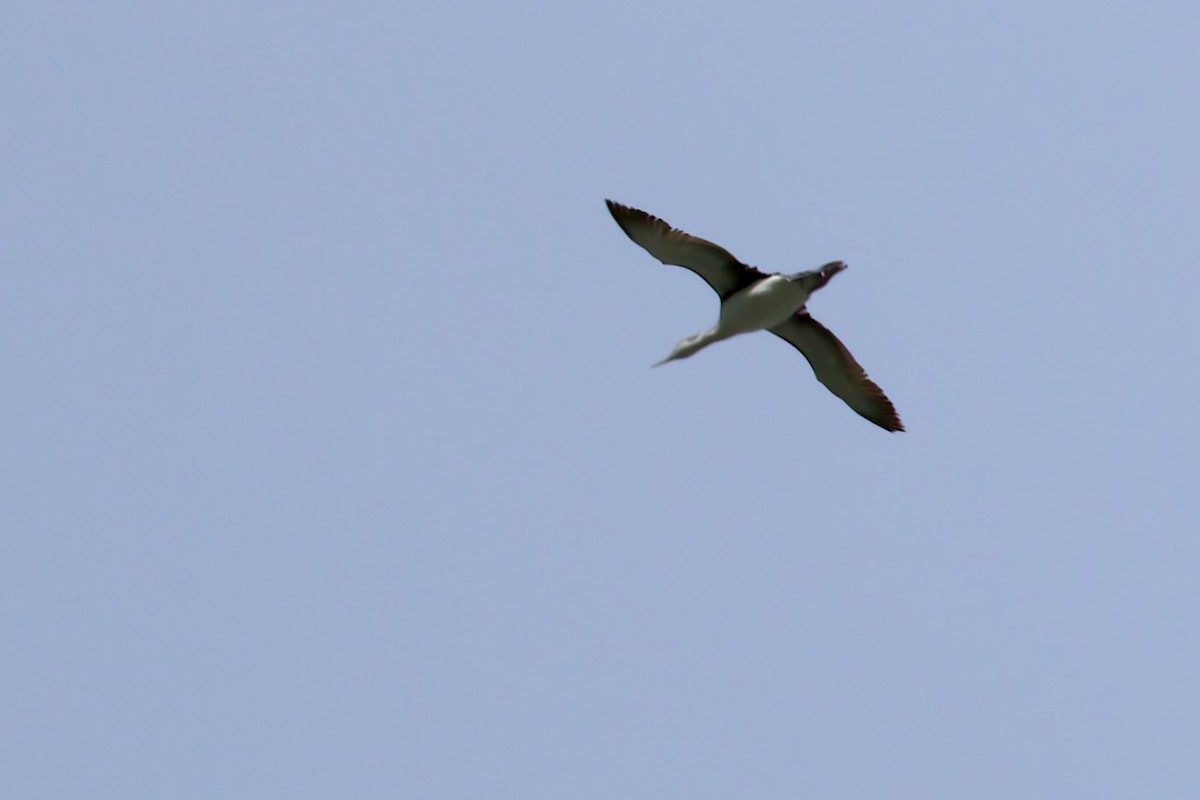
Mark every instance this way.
x=752 y=300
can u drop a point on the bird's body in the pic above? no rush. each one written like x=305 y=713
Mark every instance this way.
x=760 y=305
x=752 y=300
x=763 y=304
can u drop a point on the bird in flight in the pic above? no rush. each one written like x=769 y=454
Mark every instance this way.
x=752 y=300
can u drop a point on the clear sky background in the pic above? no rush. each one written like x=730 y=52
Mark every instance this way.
x=333 y=464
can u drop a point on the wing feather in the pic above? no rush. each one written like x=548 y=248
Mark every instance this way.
x=836 y=368
x=716 y=265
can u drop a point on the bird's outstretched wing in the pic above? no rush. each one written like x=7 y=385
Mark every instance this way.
x=724 y=273
x=838 y=370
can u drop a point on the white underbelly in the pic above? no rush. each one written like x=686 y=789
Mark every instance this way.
x=766 y=303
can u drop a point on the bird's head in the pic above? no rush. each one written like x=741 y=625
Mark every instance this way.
x=685 y=348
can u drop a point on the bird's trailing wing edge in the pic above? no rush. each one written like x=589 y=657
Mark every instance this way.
x=836 y=368
x=716 y=265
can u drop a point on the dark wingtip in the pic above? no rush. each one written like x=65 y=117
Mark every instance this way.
x=884 y=414
x=617 y=210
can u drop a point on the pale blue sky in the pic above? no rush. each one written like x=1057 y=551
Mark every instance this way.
x=333 y=464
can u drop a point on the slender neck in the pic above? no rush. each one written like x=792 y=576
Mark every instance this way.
x=694 y=344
